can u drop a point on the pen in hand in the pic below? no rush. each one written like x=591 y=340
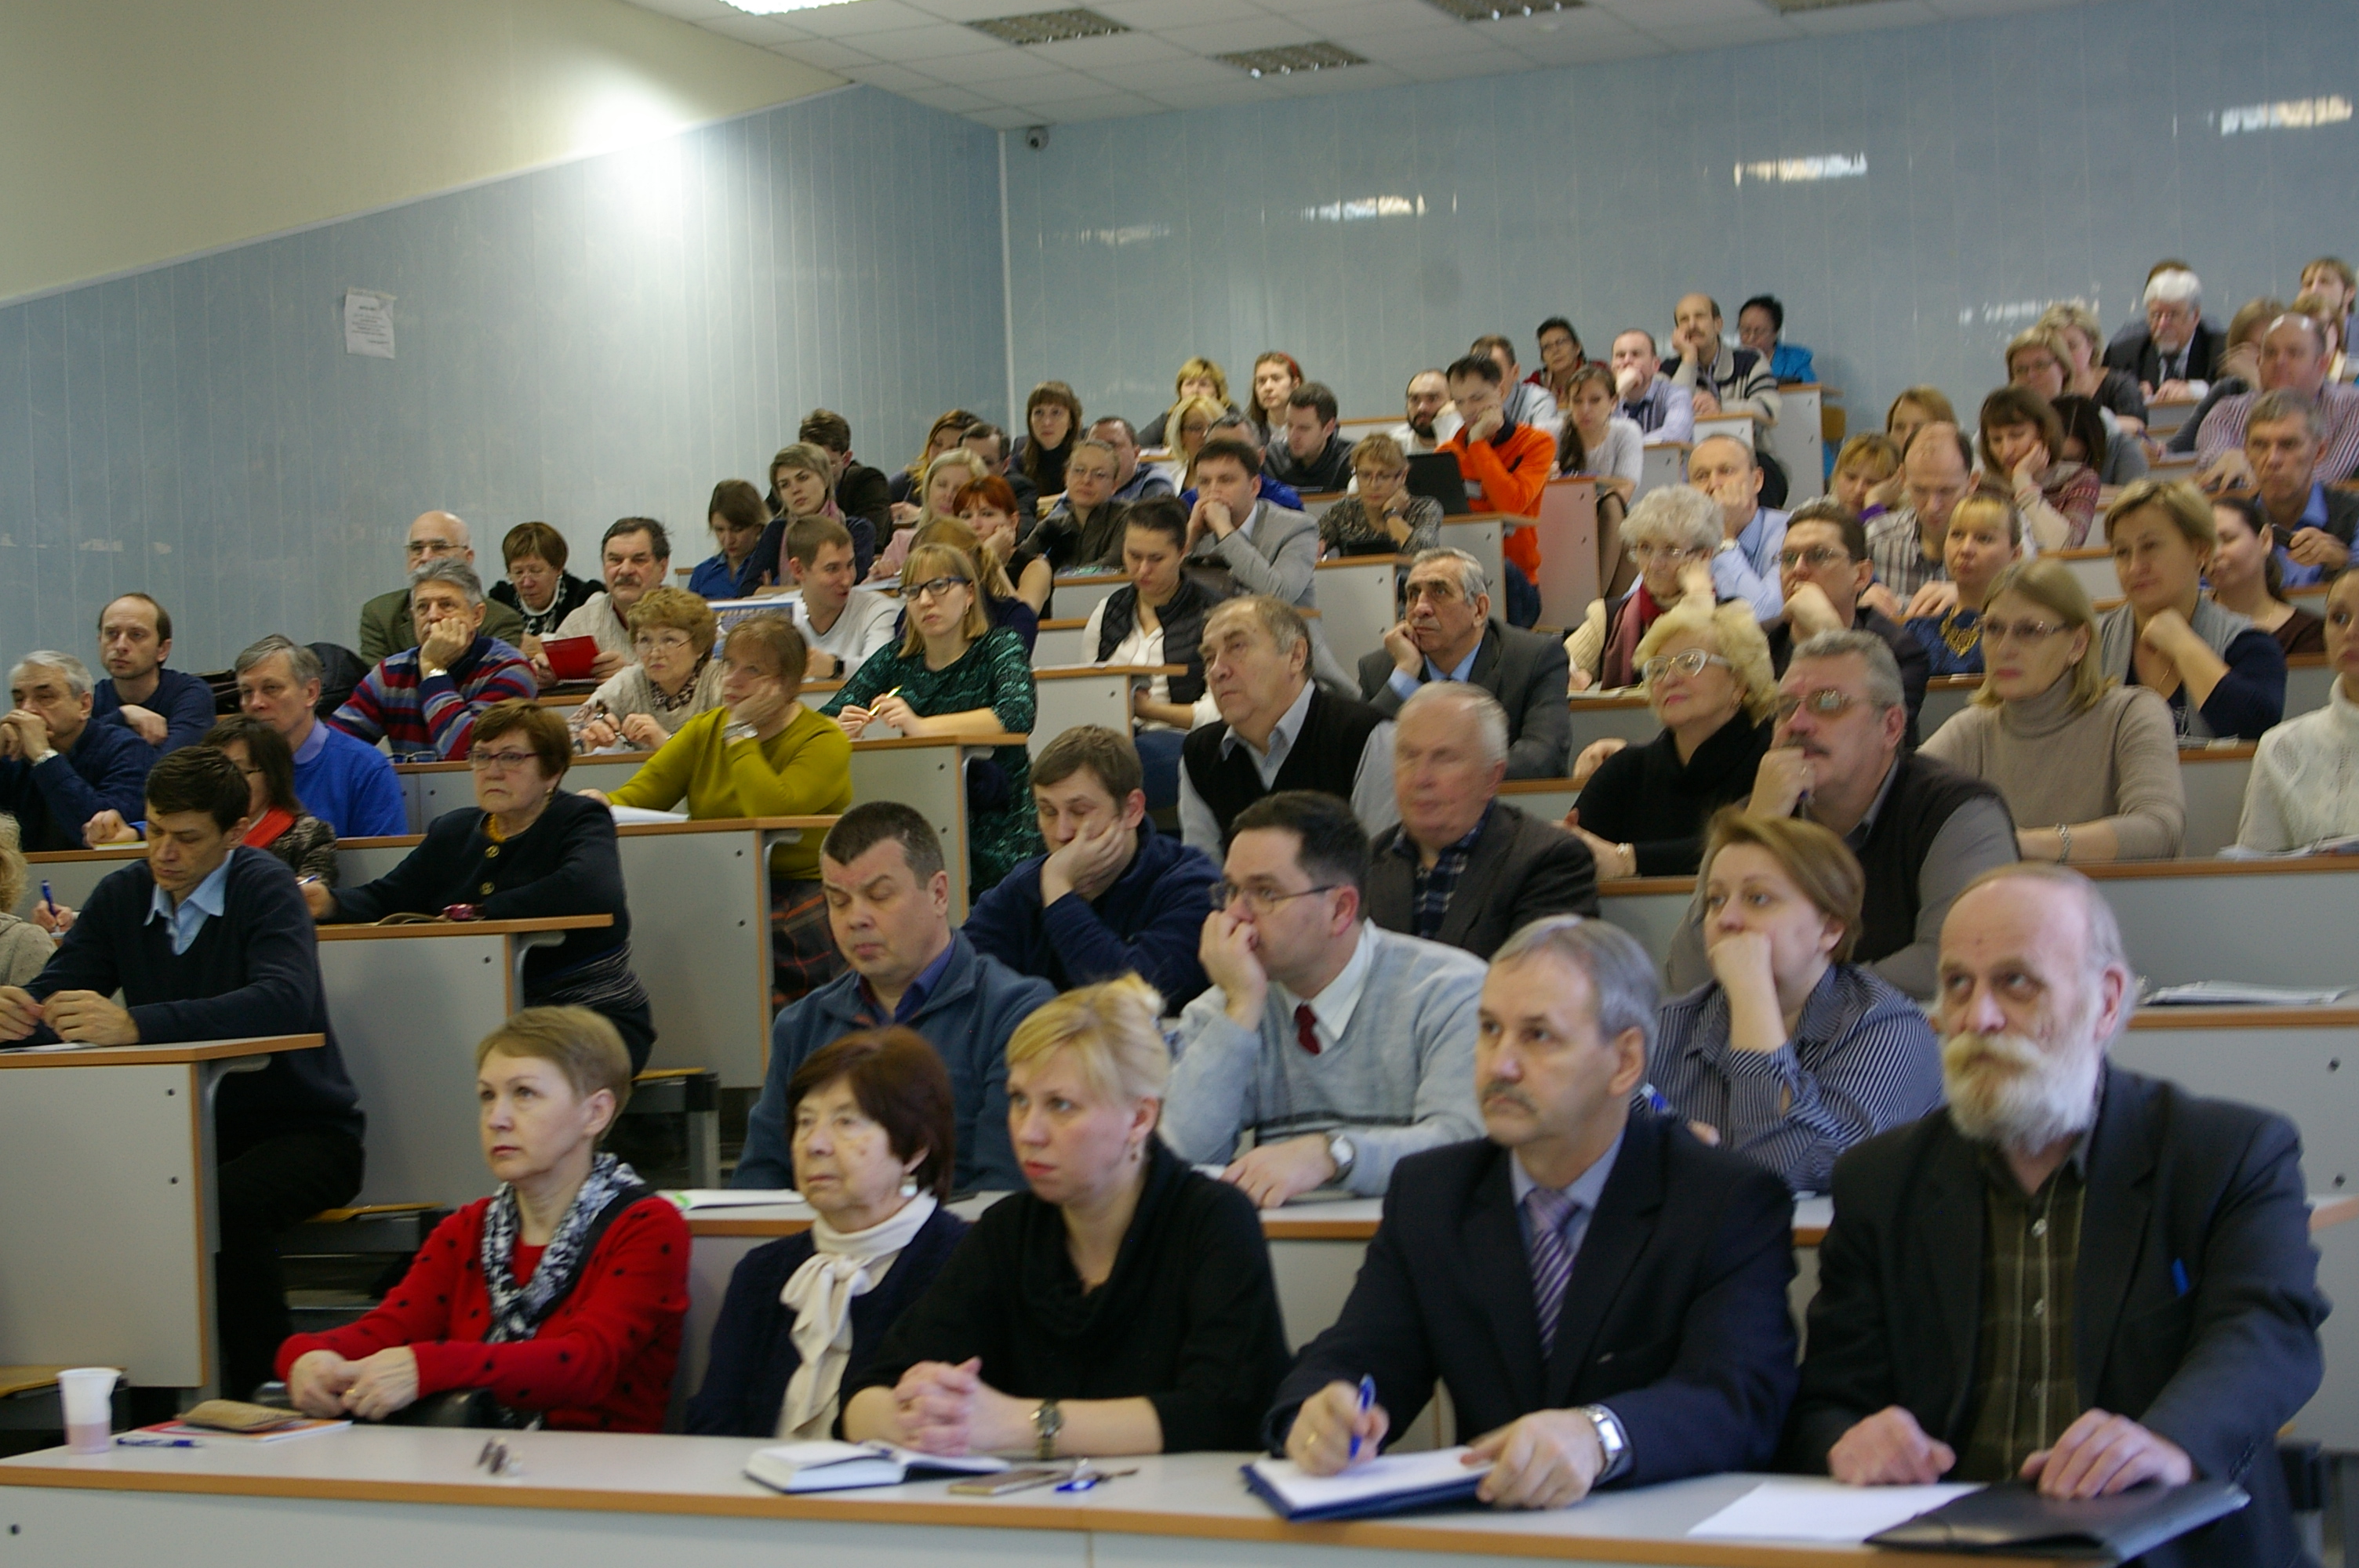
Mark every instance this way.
x=1367 y=1399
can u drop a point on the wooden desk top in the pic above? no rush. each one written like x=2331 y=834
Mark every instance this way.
x=154 y=1055
x=1185 y=1495
x=2118 y=871
x=465 y=928
x=1073 y=672
x=979 y=738
x=720 y=825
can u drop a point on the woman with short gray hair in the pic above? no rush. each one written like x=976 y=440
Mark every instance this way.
x=1670 y=536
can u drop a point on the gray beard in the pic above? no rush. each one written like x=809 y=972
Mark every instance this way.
x=2046 y=1099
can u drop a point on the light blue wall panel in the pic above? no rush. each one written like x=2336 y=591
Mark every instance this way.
x=602 y=338
x=2010 y=162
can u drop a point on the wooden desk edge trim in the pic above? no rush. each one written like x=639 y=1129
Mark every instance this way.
x=840 y=1509
x=2099 y=871
x=352 y=932
x=162 y=1056
x=2245 y=1018
x=718 y=825
x=1075 y=672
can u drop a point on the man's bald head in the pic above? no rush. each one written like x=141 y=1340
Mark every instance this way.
x=434 y=534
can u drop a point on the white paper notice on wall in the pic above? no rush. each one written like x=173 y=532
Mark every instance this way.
x=368 y=323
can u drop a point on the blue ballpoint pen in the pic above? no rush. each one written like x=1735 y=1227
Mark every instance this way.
x=133 y=1440
x=1367 y=1403
x=47 y=896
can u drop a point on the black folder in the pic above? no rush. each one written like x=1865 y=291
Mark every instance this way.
x=2013 y=1520
x=1437 y=474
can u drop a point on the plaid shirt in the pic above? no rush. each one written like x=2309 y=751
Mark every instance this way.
x=1430 y=888
x=2024 y=1365
x=1900 y=563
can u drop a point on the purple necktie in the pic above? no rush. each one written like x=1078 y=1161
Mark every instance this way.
x=1547 y=1210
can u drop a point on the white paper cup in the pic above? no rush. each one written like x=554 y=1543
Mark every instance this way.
x=88 y=1395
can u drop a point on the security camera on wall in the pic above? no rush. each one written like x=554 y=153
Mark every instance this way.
x=1036 y=136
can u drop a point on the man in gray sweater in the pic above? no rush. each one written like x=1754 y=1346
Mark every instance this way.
x=1339 y=1046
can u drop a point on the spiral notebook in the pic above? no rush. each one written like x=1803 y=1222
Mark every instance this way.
x=1396 y=1482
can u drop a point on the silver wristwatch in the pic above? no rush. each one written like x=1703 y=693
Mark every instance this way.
x=1048 y=1421
x=1610 y=1438
x=1341 y=1149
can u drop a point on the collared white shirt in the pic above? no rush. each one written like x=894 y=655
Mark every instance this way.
x=1333 y=1006
x=209 y=898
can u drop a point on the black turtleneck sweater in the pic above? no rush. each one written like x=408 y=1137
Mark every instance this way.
x=1646 y=797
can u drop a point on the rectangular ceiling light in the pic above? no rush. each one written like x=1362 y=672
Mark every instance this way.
x=780 y=7
x=1494 y=10
x=1293 y=59
x=1050 y=27
x=1789 y=6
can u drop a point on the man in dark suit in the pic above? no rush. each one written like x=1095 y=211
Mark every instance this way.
x=1603 y=1296
x=2170 y=1232
x=1449 y=634
x=2177 y=352
x=1463 y=867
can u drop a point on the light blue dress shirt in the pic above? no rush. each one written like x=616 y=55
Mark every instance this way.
x=209 y=899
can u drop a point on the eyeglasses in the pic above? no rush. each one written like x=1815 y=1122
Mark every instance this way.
x=1826 y=702
x=1821 y=556
x=661 y=642
x=1645 y=553
x=428 y=548
x=1261 y=901
x=2019 y=631
x=1690 y=663
x=934 y=587
x=484 y=761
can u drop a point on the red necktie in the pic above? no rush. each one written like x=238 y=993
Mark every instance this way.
x=1306 y=1027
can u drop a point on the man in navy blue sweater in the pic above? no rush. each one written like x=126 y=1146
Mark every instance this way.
x=57 y=770
x=167 y=709
x=207 y=940
x=1113 y=896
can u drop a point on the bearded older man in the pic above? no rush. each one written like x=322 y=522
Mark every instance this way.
x=2074 y=1274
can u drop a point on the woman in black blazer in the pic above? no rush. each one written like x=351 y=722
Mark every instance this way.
x=873 y=1130
x=527 y=850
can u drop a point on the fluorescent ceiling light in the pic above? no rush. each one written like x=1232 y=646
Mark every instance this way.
x=1498 y=10
x=1048 y=27
x=1286 y=61
x=775 y=7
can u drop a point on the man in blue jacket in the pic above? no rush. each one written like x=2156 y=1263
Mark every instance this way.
x=345 y=782
x=57 y=770
x=1113 y=896
x=888 y=899
x=166 y=708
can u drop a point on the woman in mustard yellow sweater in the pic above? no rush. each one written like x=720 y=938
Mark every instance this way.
x=762 y=753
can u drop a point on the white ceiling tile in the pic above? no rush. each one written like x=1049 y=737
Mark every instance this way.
x=1723 y=35
x=1000 y=65
x=1263 y=32
x=1165 y=79
x=1865 y=18
x=893 y=78
x=936 y=40
x=690 y=10
x=861 y=16
x=1120 y=48
x=1038 y=89
x=969 y=10
x=745 y=29
x=956 y=100
x=1004 y=119
x=1109 y=106
x=1162 y=16
x=1346 y=19
x=825 y=54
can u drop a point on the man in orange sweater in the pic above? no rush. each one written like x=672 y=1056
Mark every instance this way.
x=1509 y=464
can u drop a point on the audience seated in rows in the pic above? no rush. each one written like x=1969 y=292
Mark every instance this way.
x=860 y=495
x=671 y=679
x=2222 y=674
x=1281 y=497
x=2174 y=351
x=1506 y=464
x=1986 y=535
x=873 y=1128
x=1562 y=358
x=1598 y=443
x=526 y=850
x=166 y=708
x=2239 y=370
x=2337 y=286
x=2065 y=745
x=1278 y=729
x=559 y=1297
x=1113 y=896
x=26 y=946
x=1310 y=456
x=946 y=476
x=1823 y=572
x=1428 y=419
x=633 y=555
x=1675 y=1356
x=1744 y=560
x=2310 y=527
x=204 y=939
x=802 y=485
x=1191 y=421
x=276 y=819
x=1662 y=411
x=1052 y=422
x=843 y=626
x=57 y=768
x=1449 y=634
x=1643 y=809
x=1865 y=465
x=1937 y=471
x=1380 y=517
x=907 y=488
x=1922 y=830
x=1236 y=530
x=737 y=518
x=1156 y=618
x=1198 y=377
x=1791 y=1052
x=2021 y=445
x=987 y=510
x=1463 y=867
x=2247 y=576
x=1522 y=400
x=1670 y=536
x=2040 y=364
x=1912 y=411
x=1002 y=605
x=1339 y=1045
x=1133 y=480
x=1275 y=377
x=535 y=555
x=2304 y=785
x=1118 y=1303
x=1722 y=380
x=386 y=626
x=762 y=753
x=1761 y=327
x=953 y=673
x=2056 y=1177
x=888 y=899
x=422 y=701
x=1083 y=531
x=346 y=783
x=2086 y=374
x=2293 y=359
x=989 y=442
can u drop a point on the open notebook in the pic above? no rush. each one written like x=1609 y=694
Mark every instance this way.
x=1395 y=1483
x=839 y=1466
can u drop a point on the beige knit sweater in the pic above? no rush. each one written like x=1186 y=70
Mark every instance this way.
x=2116 y=761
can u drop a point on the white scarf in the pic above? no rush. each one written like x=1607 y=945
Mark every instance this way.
x=846 y=1264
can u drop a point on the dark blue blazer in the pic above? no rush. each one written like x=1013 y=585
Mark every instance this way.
x=1675 y=1318
x=752 y=1356
x=1151 y=920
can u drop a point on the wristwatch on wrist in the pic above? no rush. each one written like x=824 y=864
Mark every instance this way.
x=1611 y=1438
x=1344 y=1155
x=1048 y=1421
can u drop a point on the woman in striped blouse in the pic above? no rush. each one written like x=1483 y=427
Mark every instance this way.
x=1791 y=1054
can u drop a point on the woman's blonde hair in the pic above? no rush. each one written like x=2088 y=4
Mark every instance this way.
x=2073 y=314
x=1986 y=499
x=2050 y=584
x=1818 y=864
x=13 y=869
x=2189 y=509
x=960 y=535
x=1111 y=1029
x=675 y=610
x=1208 y=370
x=956 y=458
x=1733 y=632
x=2040 y=334
x=1932 y=399
x=810 y=459
x=927 y=562
x=582 y=1044
x=1379 y=452
x=1212 y=412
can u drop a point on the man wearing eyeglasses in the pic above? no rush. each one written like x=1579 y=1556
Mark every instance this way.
x=1922 y=830
x=422 y=701
x=1450 y=634
x=1340 y=1047
x=387 y=624
x=1822 y=570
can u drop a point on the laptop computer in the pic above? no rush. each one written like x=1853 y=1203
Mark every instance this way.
x=1436 y=474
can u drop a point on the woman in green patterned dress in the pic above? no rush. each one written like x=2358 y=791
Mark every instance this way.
x=953 y=673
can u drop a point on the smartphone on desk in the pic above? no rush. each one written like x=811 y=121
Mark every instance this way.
x=1007 y=1481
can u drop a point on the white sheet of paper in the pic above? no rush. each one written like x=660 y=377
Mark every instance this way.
x=1810 y=1509
x=632 y=816
x=368 y=323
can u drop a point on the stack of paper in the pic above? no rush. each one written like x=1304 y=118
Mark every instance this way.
x=1822 y=1510
x=2240 y=993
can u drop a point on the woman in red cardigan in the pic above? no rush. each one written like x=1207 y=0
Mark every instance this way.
x=560 y=1295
